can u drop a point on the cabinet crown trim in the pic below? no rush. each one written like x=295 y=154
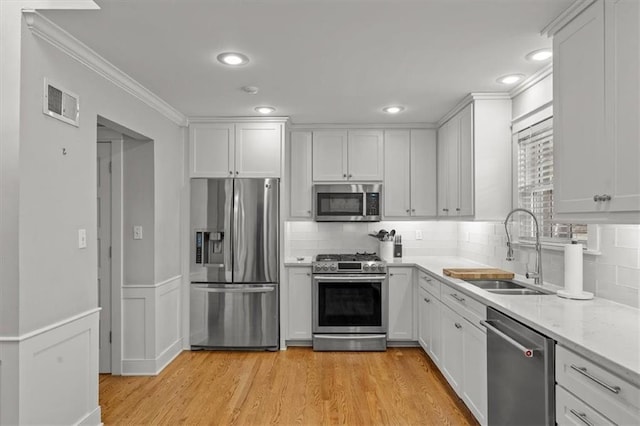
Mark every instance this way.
x=477 y=96
x=355 y=126
x=565 y=17
x=233 y=120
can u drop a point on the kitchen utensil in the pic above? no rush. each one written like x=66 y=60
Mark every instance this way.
x=477 y=273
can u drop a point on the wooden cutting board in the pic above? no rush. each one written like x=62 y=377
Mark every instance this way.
x=478 y=273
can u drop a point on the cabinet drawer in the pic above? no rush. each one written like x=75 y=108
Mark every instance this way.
x=468 y=308
x=609 y=394
x=429 y=283
x=571 y=411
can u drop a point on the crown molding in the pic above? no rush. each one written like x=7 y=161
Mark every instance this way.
x=59 y=38
x=471 y=97
x=534 y=79
x=565 y=17
x=360 y=126
x=236 y=119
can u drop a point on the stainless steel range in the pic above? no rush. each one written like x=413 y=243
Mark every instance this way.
x=350 y=302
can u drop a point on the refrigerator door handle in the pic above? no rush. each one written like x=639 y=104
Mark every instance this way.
x=228 y=226
x=235 y=290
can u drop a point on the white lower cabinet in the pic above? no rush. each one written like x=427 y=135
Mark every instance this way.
x=587 y=393
x=449 y=331
x=430 y=311
x=401 y=300
x=299 y=303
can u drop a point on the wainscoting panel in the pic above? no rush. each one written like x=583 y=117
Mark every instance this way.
x=58 y=373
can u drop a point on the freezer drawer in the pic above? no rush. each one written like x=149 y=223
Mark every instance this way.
x=234 y=316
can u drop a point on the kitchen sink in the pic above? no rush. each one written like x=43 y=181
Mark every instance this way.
x=505 y=287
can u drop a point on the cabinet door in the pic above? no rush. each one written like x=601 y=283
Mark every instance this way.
x=424 y=327
x=451 y=331
x=330 y=155
x=258 y=149
x=397 y=183
x=581 y=157
x=423 y=172
x=211 y=150
x=464 y=206
x=365 y=155
x=474 y=361
x=300 y=174
x=443 y=167
x=299 y=304
x=435 y=333
x=622 y=62
x=401 y=300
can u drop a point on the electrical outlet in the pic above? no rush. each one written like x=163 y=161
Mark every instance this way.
x=137 y=232
x=82 y=238
x=418 y=234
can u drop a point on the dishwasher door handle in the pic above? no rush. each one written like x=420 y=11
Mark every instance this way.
x=527 y=352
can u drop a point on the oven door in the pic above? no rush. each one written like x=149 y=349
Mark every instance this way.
x=350 y=303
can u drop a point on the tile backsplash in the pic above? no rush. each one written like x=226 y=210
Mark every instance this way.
x=613 y=273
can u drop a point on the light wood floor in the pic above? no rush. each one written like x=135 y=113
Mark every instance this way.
x=292 y=387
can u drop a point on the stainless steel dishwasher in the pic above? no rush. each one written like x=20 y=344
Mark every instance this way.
x=520 y=373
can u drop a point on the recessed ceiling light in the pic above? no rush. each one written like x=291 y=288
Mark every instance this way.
x=265 y=109
x=510 y=79
x=232 y=58
x=539 y=55
x=393 y=109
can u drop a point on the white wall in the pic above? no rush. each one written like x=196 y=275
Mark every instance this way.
x=48 y=283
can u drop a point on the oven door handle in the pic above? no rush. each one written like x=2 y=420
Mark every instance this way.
x=350 y=278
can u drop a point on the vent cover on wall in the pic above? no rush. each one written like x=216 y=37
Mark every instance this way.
x=61 y=104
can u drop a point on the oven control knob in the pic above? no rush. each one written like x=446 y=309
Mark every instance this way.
x=333 y=267
x=374 y=266
x=365 y=267
x=325 y=268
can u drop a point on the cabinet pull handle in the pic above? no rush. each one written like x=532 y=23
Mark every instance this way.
x=344 y=175
x=308 y=274
x=350 y=176
x=408 y=210
x=390 y=275
x=458 y=325
x=584 y=372
x=445 y=210
x=582 y=416
x=457 y=209
x=237 y=172
x=597 y=198
x=424 y=277
x=458 y=298
x=230 y=172
x=309 y=211
x=413 y=210
x=605 y=197
x=427 y=300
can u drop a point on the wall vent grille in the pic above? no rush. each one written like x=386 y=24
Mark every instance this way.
x=61 y=104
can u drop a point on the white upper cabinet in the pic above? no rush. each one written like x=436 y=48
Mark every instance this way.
x=409 y=173
x=474 y=160
x=300 y=174
x=235 y=149
x=258 y=149
x=354 y=155
x=211 y=148
x=596 y=81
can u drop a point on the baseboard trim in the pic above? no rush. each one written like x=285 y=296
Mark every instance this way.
x=403 y=344
x=151 y=367
x=92 y=419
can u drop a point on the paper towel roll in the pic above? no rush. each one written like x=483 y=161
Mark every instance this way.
x=573 y=269
x=386 y=250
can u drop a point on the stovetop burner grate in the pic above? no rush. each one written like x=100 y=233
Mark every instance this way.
x=346 y=257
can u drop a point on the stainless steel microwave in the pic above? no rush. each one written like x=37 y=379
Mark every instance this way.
x=347 y=203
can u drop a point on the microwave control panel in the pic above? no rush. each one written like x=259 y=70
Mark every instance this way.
x=373 y=204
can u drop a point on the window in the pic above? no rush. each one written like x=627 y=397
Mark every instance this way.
x=535 y=186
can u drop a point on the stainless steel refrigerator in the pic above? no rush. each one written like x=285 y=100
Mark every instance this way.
x=234 y=264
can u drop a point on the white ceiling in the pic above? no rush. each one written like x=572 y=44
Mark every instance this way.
x=317 y=61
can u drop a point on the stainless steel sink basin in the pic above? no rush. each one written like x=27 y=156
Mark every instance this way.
x=495 y=284
x=505 y=287
x=517 y=291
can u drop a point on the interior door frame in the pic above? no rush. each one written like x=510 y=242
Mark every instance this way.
x=117 y=141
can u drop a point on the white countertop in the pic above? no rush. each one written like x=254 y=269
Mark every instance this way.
x=606 y=332
x=298 y=261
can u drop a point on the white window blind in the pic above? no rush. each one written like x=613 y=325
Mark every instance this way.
x=535 y=186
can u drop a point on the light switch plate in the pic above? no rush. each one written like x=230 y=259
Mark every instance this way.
x=418 y=234
x=137 y=232
x=82 y=238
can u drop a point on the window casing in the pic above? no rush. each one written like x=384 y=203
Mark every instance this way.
x=535 y=186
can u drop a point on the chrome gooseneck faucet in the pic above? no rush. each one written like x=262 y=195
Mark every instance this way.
x=537 y=276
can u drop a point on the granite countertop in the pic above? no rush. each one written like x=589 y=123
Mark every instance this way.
x=601 y=330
